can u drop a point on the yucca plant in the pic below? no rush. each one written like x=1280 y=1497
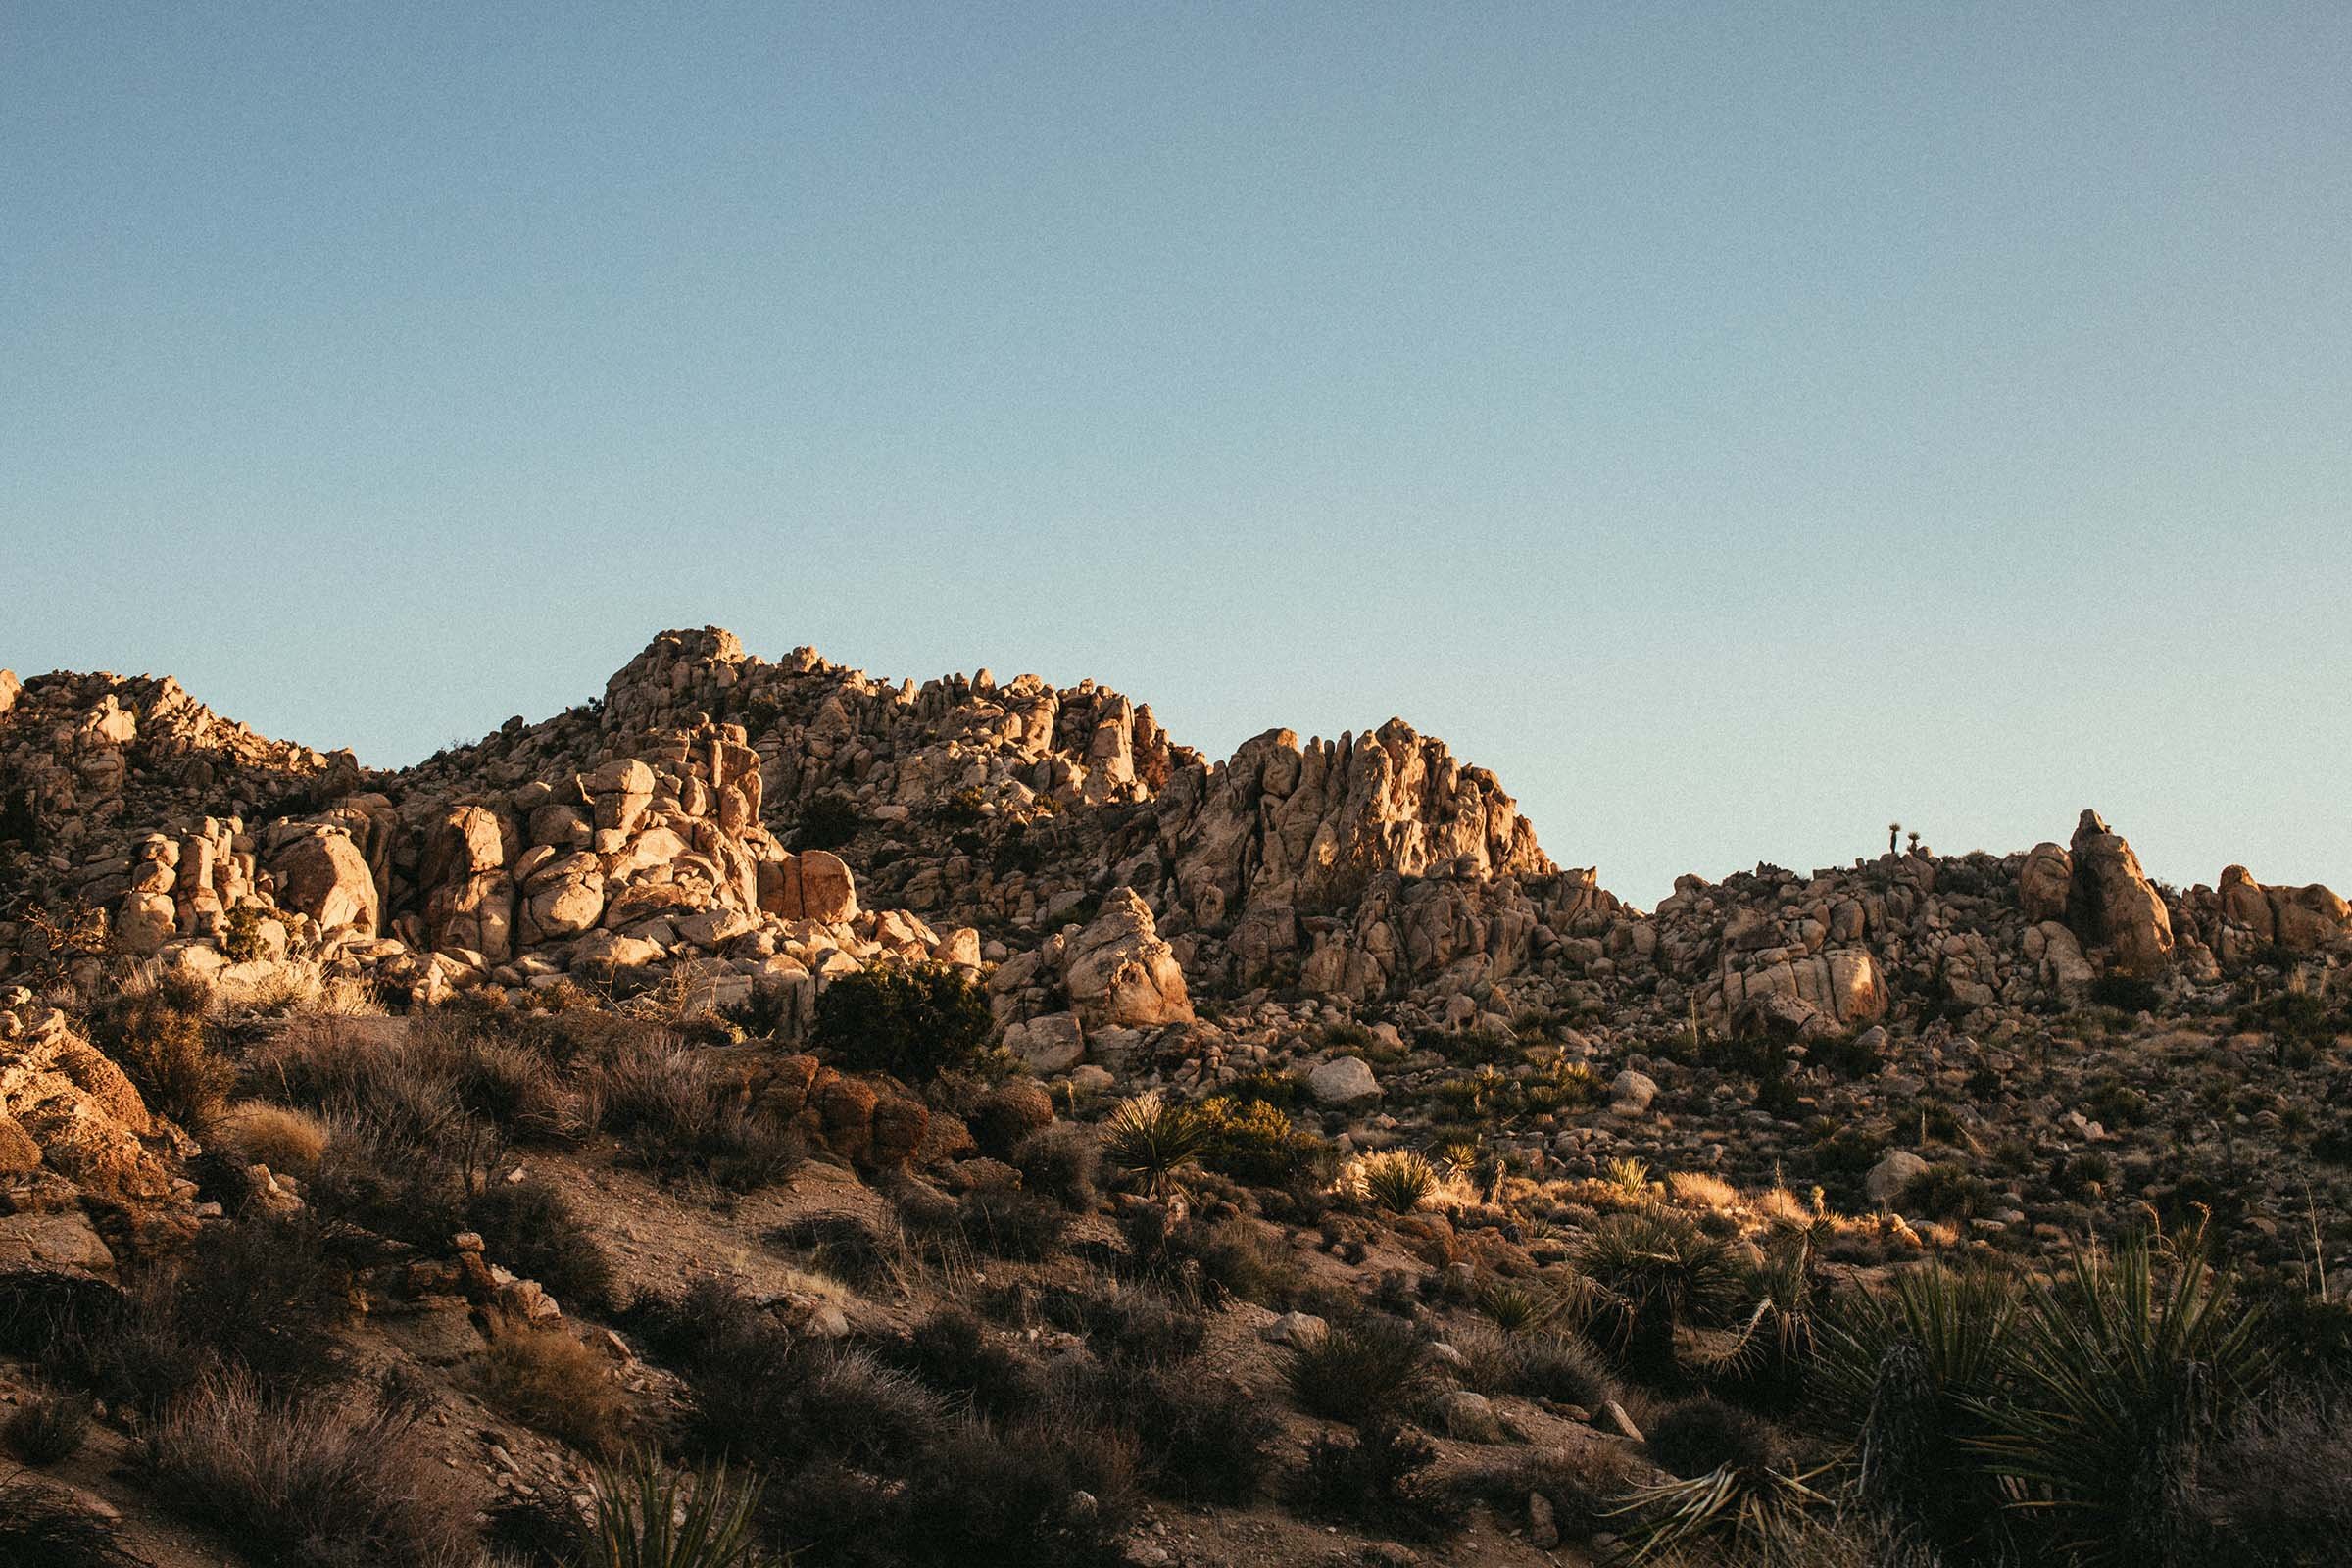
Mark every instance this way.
x=1773 y=1352
x=1630 y=1176
x=1757 y=1515
x=2118 y=1380
x=1398 y=1180
x=1515 y=1309
x=650 y=1517
x=1651 y=1271
x=1149 y=1139
x=1910 y=1372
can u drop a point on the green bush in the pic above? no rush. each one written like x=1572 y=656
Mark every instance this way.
x=912 y=1020
x=1358 y=1371
x=826 y=823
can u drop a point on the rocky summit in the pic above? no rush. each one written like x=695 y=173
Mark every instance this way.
x=906 y=1116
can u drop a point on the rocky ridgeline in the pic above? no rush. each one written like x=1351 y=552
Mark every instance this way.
x=1102 y=877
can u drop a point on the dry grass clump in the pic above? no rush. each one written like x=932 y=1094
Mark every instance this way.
x=47 y=1430
x=322 y=1480
x=547 y=1378
x=1695 y=1189
x=284 y=1139
x=42 y=1526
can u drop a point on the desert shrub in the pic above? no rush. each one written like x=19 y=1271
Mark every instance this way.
x=826 y=821
x=1559 y=1367
x=953 y=1352
x=999 y=1222
x=1149 y=1138
x=848 y=1246
x=532 y=1228
x=1006 y=1499
x=710 y=1317
x=1378 y=1477
x=1653 y=1271
x=2126 y=994
x=262 y=1296
x=42 y=1526
x=46 y=1430
x=1704 y=1434
x=1359 y=1370
x=1579 y=1485
x=2115 y=1383
x=241 y=934
x=648 y=1516
x=1398 y=1180
x=2273 y=1489
x=320 y=1480
x=666 y=1102
x=1947 y=1192
x=159 y=1037
x=1254 y=1140
x=1203 y=1439
x=375 y=1180
x=1061 y=1161
x=1226 y=1257
x=769 y=1397
x=1142 y=1328
x=280 y=1137
x=545 y=1378
x=911 y=1020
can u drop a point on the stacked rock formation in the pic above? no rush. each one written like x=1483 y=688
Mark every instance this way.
x=1056 y=838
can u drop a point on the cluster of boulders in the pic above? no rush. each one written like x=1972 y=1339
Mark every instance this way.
x=1100 y=876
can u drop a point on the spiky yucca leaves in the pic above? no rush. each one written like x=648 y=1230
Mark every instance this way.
x=1773 y=1353
x=2118 y=1380
x=1910 y=1372
x=1398 y=1180
x=1627 y=1175
x=1653 y=1271
x=648 y=1516
x=1149 y=1139
x=1515 y=1309
x=1757 y=1515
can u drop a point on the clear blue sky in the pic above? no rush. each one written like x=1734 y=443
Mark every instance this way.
x=1737 y=425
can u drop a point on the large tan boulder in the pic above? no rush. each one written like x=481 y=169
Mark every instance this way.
x=812 y=885
x=2043 y=882
x=321 y=873
x=2111 y=905
x=2309 y=919
x=470 y=898
x=76 y=1108
x=1120 y=973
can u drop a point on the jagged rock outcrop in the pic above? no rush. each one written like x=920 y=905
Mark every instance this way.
x=1056 y=838
x=1119 y=972
x=2110 y=905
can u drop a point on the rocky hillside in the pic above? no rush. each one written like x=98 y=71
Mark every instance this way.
x=1061 y=1127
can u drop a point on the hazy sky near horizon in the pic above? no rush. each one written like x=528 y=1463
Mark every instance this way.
x=1737 y=425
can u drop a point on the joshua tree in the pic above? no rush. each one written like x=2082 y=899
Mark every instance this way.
x=1895 y=831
